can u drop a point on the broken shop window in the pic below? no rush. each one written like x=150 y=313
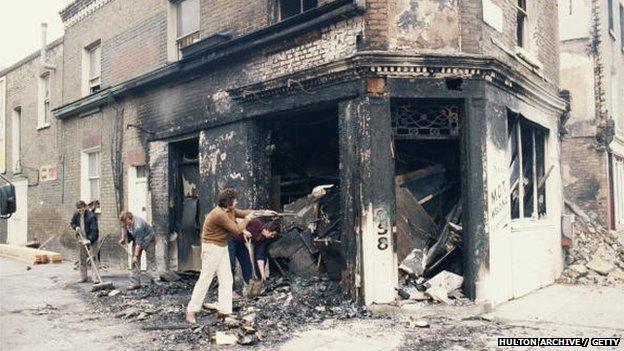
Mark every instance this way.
x=527 y=171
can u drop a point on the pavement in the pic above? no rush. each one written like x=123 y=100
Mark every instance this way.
x=582 y=306
x=41 y=308
x=44 y=308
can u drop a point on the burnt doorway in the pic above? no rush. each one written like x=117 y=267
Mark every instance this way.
x=186 y=203
x=304 y=155
x=427 y=186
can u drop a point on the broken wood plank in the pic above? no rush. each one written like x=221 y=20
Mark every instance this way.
x=29 y=255
x=421 y=173
x=414 y=225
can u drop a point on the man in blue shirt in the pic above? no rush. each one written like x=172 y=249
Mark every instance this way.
x=136 y=230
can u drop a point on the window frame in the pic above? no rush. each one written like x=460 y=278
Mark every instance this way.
x=45 y=91
x=16 y=133
x=622 y=27
x=522 y=25
x=610 y=19
x=186 y=39
x=91 y=83
x=301 y=8
x=87 y=178
x=516 y=123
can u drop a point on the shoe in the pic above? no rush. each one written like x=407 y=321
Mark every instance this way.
x=133 y=286
x=190 y=318
x=211 y=306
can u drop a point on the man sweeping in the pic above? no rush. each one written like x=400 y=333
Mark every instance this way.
x=218 y=226
x=136 y=230
x=85 y=221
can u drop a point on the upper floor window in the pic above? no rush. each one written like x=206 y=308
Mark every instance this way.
x=43 y=115
x=622 y=27
x=16 y=140
x=611 y=20
x=522 y=24
x=95 y=55
x=289 y=8
x=187 y=26
x=91 y=68
x=527 y=171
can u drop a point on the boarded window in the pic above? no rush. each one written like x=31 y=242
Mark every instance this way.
x=527 y=168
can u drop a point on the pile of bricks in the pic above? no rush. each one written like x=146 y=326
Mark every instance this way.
x=596 y=257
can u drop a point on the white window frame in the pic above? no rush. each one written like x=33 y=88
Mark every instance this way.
x=91 y=83
x=521 y=122
x=176 y=41
x=43 y=110
x=16 y=140
x=85 y=178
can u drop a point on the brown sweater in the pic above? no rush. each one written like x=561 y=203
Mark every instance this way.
x=220 y=224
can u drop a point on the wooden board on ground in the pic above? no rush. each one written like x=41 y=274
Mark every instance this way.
x=29 y=255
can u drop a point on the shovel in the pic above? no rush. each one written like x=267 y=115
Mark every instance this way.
x=255 y=285
x=100 y=285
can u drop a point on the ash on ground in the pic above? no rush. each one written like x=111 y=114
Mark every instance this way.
x=285 y=307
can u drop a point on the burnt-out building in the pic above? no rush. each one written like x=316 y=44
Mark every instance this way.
x=275 y=97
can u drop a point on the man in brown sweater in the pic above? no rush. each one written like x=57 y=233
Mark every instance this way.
x=219 y=224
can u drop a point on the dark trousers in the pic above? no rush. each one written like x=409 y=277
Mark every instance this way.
x=238 y=251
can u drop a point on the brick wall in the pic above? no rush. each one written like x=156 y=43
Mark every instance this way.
x=585 y=176
x=133 y=41
x=135 y=51
x=39 y=147
x=430 y=25
x=478 y=37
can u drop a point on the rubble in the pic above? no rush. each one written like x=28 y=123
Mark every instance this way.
x=595 y=255
x=284 y=306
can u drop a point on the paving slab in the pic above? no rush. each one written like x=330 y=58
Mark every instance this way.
x=573 y=305
x=354 y=335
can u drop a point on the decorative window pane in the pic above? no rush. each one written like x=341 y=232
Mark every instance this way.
x=418 y=120
x=188 y=17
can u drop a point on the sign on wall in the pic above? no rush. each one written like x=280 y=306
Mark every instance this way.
x=48 y=173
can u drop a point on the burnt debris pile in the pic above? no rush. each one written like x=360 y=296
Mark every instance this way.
x=284 y=306
x=429 y=234
x=310 y=241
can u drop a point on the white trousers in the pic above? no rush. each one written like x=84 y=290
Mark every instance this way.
x=214 y=258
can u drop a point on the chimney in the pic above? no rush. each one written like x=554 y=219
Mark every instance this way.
x=44 y=42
